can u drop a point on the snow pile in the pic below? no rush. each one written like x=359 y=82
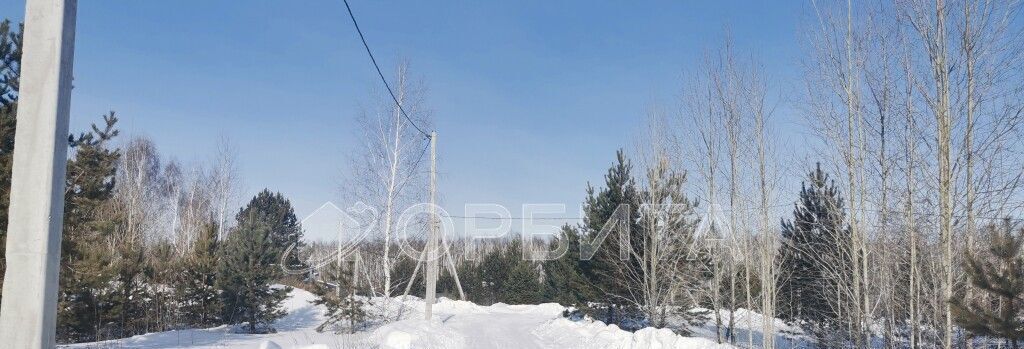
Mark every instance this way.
x=458 y=324
x=454 y=324
x=418 y=333
x=565 y=333
x=294 y=330
x=461 y=324
x=548 y=309
x=414 y=305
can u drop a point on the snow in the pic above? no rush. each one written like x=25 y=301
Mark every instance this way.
x=751 y=322
x=459 y=324
x=269 y=345
x=455 y=324
x=564 y=333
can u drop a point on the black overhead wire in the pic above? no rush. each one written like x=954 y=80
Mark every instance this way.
x=379 y=73
x=923 y=214
x=416 y=164
x=514 y=218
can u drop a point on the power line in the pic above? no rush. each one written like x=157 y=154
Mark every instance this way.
x=924 y=214
x=379 y=73
x=514 y=218
x=415 y=164
x=420 y=158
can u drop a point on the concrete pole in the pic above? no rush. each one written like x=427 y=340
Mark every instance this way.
x=454 y=271
x=431 y=248
x=28 y=313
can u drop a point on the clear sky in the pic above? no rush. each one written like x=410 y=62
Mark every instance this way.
x=531 y=98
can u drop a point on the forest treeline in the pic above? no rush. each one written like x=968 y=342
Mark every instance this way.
x=150 y=244
x=894 y=220
x=875 y=203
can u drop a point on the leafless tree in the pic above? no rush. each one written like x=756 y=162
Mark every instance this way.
x=224 y=184
x=387 y=170
x=657 y=269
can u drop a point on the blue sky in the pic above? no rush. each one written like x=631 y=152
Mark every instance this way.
x=531 y=98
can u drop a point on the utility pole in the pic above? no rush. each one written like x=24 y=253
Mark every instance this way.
x=429 y=255
x=431 y=274
x=28 y=315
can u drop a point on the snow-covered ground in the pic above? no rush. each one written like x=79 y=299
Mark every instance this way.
x=751 y=323
x=455 y=324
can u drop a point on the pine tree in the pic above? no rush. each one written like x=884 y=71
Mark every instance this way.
x=197 y=286
x=494 y=269
x=245 y=272
x=1001 y=276
x=10 y=73
x=469 y=276
x=129 y=268
x=815 y=253
x=163 y=270
x=344 y=307
x=522 y=285
x=276 y=211
x=402 y=275
x=85 y=261
x=129 y=247
x=565 y=283
x=446 y=286
x=606 y=270
x=662 y=243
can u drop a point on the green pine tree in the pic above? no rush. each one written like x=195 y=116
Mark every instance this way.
x=402 y=276
x=246 y=270
x=565 y=283
x=161 y=305
x=85 y=260
x=129 y=268
x=469 y=277
x=494 y=269
x=344 y=307
x=660 y=245
x=605 y=270
x=446 y=286
x=1000 y=275
x=815 y=253
x=10 y=73
x=276 y=212
x=197 y=286
x=522 y=285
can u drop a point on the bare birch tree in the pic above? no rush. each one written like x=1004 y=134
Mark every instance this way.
x=667 y=221
x=225 y=184
x=387 y=171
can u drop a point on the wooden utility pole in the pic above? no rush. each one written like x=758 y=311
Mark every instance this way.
x=29 y=310
x=431 y=248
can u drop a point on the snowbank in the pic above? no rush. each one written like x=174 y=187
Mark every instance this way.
x=455 y=324
x=418 y=333
x=595 y=334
